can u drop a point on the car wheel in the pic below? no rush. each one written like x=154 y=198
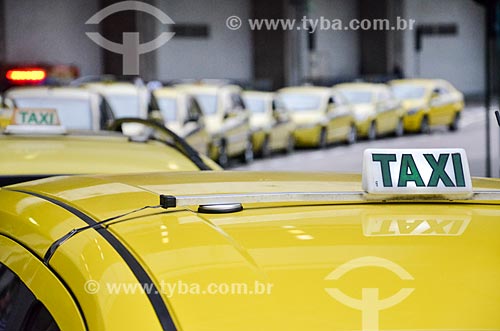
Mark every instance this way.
x=454 y=125
x=223 y=158
x=322 y=138
x=400 y=129
x=424 y=125
x=248 y=155
x=372 y=131
x=352 y=136
x=266 y=148
x=290 y=145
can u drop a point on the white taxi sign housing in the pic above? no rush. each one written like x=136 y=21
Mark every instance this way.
x=35 y=121
x=399 y=173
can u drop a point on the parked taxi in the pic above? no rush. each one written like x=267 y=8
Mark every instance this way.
x=321 y=115
x=429 y=103
x=271 y=123
x=411 y=244
x=226 y=118
x=376 y=110
x=181 y=113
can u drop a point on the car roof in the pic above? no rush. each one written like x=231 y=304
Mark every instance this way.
x=258 y=94
x=361 y=86
x=169 y=92
x=47 y=91
x=307 y=89
x=208 y=88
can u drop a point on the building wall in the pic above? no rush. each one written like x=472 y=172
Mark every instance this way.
x=459 y=58
x=53 y=32
x=337 y=52
x=224 y=54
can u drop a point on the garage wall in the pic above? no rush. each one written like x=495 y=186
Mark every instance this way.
x=223 y=53
x=458 y=58
x=27 y=33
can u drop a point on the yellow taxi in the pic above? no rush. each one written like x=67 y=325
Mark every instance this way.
x=376 y=110
x=5 y=114
x=37 y=145
x=429 y=102
x=77 y=108
x=181 y=113
x=411 y=244
x=226 y=119
x=321 y=115
x=271 y=123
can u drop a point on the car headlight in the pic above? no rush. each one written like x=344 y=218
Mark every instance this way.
x=413 y=111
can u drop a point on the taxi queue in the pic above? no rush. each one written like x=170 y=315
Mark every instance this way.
x=223 y=121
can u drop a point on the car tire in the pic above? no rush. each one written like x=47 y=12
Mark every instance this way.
x=372 y=131
x=424 y=125
x=400 y=128
x=248 y=155
x=290 y=145
x=323 y=139
x=223 y=158
x=352 y=136
x=266 y=148
x=454 y=125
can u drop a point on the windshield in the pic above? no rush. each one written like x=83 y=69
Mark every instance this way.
x=357 y=96
x=124 y=105
x=408 y=91
x=255 y=105
x=301 y=102
x=207 y=102
x=168 y=108
x=73 y=114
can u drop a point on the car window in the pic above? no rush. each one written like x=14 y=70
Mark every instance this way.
x=207 y=102
x=19 y=308
x=408 y=91
x=168 y=108
x=237 y=101
x=74 y=114
x=194 y=111
x=124 y=105
x=358 y=96
x=301 y=102
x=255 y=105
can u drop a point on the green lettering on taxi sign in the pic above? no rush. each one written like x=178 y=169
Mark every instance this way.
x=438 y=171
x=385 y=160
x=458 y=168
x=409 y=172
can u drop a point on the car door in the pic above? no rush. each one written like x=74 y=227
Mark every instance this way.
x=26 y=303
x=236 y=123
x=441 y=106
x=387 y=111
x=195 y=132
x=280 y=131
x=339 y=117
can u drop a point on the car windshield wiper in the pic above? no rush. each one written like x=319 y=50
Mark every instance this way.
x=177 y=142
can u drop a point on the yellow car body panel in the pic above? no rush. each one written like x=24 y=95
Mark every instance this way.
x=226 y=122
x=334 y=120
x=380 y=108
x=319 y=266
x=270 y=126
x=439 y=102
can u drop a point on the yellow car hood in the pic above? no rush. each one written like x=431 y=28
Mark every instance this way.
x=370 y=266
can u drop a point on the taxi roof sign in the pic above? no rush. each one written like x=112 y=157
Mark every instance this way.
x=35 y=121
x=404 y=172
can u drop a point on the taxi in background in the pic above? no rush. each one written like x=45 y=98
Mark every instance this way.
x=429 y=102
x=271 y=124
x=226 y=118
x=181 y=113
x=125 y=98
x=5 y=114
x=411 y=244
x=376 y=110
x=77 y=108
x=321 y=115
x=36 y=145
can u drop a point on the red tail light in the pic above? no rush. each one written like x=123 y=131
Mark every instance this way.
x=26 y=75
